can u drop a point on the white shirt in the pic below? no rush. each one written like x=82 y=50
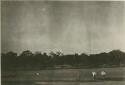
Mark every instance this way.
x=93 y=73
x=103 y=73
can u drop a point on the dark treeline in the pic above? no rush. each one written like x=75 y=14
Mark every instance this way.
x=38 y=60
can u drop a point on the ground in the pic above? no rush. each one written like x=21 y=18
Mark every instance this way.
x=115 y=76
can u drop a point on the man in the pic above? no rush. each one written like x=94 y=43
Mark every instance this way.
x=103 y=74
x=94 y=75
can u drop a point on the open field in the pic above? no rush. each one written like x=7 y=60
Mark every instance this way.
x=64 y=77
x=69 y=83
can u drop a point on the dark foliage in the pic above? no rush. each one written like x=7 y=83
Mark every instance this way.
x=38 y=60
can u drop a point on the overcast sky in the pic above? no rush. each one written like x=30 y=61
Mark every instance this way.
x=69 y=27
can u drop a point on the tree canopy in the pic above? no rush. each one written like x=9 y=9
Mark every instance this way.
x=38 y=60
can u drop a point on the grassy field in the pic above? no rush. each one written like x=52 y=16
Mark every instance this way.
x=63 y=77
x=68 y=83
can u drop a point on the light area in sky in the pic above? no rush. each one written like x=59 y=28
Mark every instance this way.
x=73 y=27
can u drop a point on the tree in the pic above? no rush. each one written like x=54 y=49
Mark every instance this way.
x=26 y=53
x=26 y=59
x=9 y=59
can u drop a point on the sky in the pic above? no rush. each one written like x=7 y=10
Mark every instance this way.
x=67 y=26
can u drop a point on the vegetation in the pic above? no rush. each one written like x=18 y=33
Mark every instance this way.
x=28 y=60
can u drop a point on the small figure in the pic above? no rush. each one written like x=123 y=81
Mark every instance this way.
x=103 y=74
x=94 y=75
x=37 y=74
